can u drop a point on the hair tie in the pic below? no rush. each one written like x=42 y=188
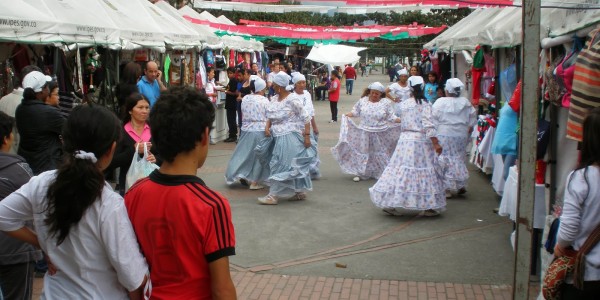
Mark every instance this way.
x=289 y=88
x=80 y=154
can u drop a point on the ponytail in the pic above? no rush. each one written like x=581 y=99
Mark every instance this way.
x=89 y=133
x=29 y=94
x=418 y=93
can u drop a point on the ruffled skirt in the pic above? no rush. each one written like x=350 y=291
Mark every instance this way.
x=289 y=163
x=414 y=177
x=364 y=153
x=244 y=163
x=455 y=148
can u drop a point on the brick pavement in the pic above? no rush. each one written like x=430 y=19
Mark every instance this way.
x=257 y=286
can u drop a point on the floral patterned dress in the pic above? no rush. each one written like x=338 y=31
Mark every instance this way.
x=413 y=179
x=365 y=150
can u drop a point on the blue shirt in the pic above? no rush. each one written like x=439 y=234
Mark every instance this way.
x=150 y=90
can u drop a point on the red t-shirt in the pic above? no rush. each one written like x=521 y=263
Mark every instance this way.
x=335 y=96
x=181 y=226
x=350 y=72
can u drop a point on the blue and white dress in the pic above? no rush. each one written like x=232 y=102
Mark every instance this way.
x=289 y=161
x=365 y=150
x=414 y=177
x=244 y=163
x=315 y=172
x=454 y=117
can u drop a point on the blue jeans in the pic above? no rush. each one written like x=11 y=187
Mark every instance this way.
x=349 y=86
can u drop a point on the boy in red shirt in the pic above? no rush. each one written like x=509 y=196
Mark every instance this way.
x=184 y=228
x=334 y=94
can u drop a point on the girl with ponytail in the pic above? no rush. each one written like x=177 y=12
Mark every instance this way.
x=412 y=178
x=79 y=221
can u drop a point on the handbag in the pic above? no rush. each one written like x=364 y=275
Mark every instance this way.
x=572 y=262
x=139 y=168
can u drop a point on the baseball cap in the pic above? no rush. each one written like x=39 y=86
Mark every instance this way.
x=36 y=80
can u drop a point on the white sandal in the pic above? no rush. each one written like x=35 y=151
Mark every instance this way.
x=267 y=200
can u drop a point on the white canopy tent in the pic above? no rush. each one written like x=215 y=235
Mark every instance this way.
x=177 y=34
x=206 y=35
x=444 y=40
x=336 y=55
x=22 y=22
x=73 y=21
x=253 y=7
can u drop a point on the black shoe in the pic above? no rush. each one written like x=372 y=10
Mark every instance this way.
x=230 y=140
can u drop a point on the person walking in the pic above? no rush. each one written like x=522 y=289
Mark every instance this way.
x=365 y=150
x=454 y=117
x=243 y=165
x=80 y=223
x=334 y=95
x=411 y=180
x=350 y=74
x=290 y=153
x=580 y=213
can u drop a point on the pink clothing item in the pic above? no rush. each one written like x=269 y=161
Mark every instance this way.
x=145 y=137
x=566 y=76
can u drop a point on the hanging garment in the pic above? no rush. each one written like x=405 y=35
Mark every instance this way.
x=564 y=74
x=586 y=86
x=209 y=58
x=552 y=90
x=508 y=81
x=232 y=58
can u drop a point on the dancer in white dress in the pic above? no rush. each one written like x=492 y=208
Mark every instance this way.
x=244 y=164
x=399 y=91
x=365 y=150
x=454 y=117
x=300 y=91
x=413 y=179
x=290 y=153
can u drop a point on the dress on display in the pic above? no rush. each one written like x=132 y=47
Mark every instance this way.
x=289 y=161
x=454 y=117
x=365 y=150
x=244 y=163
x=414 y=176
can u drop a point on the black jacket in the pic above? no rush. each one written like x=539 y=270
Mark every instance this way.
x=230 y=100
x=40 y=127
x=14 y=172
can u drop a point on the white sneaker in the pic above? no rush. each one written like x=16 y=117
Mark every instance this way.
x=212 y=142
x=448 y=195
x=267 y=200
x=356 y=179
x=333 y=121
x=256 y=186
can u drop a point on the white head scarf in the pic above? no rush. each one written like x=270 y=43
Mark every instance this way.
x=297 y=76
x=377 y=86
x=259 y=83
x=415 y=80
x=281 y=79
x=454 y=86
x=403 y=72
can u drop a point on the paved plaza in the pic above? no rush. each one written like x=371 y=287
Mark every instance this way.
x=337 y=245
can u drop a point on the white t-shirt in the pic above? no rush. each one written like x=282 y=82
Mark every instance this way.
x=99 y=259
x=210 y=89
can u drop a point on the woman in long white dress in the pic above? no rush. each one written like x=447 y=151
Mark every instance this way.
x=365 y=150
x=291 y=153
x=413 y=179
x=454 y=117
x=244 y=165
x=300 y=91
x=399 y=91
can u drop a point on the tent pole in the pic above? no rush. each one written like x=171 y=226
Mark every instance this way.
x=524 y=244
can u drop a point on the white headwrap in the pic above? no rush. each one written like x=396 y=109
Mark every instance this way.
x=80 y=154
x=281 y=79
x=297 y=76
x=377 y=86
x=415 y=80
x=454 y=86
x=403 y=72
x=259 y=83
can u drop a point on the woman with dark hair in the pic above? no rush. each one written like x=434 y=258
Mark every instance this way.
x=291 y=153
x=411 y=180
x=580 y=213
x=136 y=133
x=79 y=222
x=244 y=165
x=130 y=75
x=455 y=117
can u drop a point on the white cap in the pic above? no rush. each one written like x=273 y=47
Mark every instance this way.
x=403 y=72
x=259 y=83
x=36 y=80
x=415 y=80
x=454 y=85
x=297 y=76
x=377 y=86
x=281 y=79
